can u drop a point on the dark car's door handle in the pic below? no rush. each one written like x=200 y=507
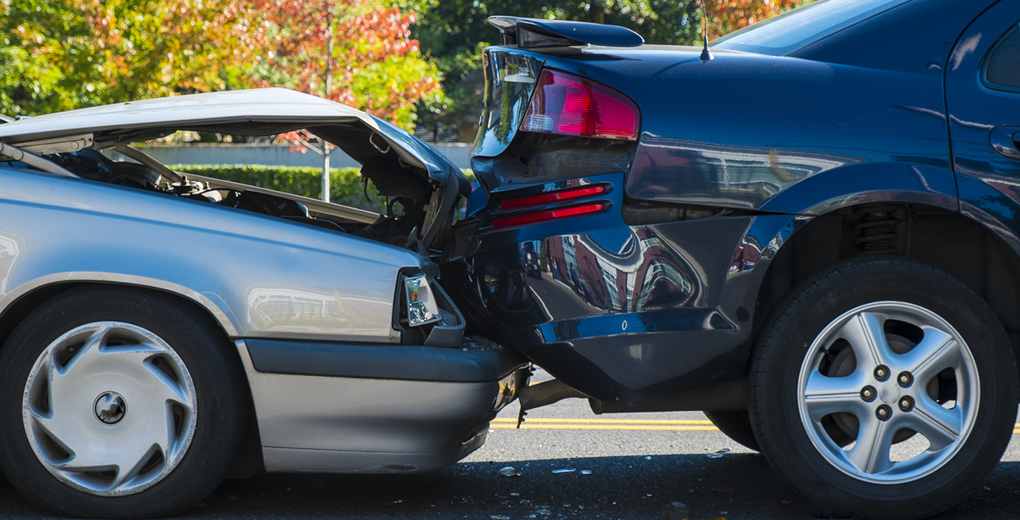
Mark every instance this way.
x=1006 y=141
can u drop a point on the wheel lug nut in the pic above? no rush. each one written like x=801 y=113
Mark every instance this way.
x=883 y=412
x=905 y=379
x=881 y=372
x=868 y=393
x=906 y=403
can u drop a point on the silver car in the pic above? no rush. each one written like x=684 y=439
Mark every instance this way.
x=161 y=330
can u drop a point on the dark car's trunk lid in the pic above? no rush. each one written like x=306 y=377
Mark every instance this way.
x=512 y=72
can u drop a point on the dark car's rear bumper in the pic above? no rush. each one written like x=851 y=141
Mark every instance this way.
x=625 y=312
x=375 y=408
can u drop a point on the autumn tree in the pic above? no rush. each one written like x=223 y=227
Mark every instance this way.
x=63 y=54
x=355 y=52
x=726 y=16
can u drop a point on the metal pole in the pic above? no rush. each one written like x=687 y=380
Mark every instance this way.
x=325 y=172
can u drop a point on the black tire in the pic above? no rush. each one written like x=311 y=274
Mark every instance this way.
x=789 y=432
x=218 y=415
x=736 y=425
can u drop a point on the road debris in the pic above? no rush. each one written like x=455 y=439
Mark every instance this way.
x=509 y=471
x=718 y=454
x=563 y=470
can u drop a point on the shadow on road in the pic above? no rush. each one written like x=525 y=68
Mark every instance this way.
x=734 y=486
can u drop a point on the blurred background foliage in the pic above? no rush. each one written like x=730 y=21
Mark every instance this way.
x=413 y=62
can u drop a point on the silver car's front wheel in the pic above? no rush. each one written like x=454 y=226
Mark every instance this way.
x=109 y=408
x=118 y=403
x=883 y=388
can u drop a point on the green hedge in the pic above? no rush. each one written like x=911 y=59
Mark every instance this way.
x=345 y=183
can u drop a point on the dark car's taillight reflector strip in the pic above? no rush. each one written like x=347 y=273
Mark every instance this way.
x=542 y=216
x=549 y=198
x=566 y=104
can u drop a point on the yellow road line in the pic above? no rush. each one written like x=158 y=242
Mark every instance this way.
x=636 y=427
x=681 y=425
x=537 y=420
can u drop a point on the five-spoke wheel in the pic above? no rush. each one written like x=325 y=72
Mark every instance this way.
x=883 y=387
x=855 y=410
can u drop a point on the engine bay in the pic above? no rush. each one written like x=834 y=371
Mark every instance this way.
x=406 y=202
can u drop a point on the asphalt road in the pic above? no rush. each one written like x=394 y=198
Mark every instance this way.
x=616 y=467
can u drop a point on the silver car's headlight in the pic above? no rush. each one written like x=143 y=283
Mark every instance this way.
x=421 y=304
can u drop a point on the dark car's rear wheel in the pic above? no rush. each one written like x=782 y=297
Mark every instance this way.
x=883 y=387
x=117 y=403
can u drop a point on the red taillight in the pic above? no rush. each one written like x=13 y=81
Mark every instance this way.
x=570 y=105
x=543 y=216
x=549 y=198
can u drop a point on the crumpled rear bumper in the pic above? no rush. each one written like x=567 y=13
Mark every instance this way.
x=376 y=408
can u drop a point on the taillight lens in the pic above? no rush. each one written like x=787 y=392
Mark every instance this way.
x=543 y=216
x=566 y=104
x=555 y=196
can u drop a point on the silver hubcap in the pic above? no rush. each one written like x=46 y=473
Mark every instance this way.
x=77 y=416
x=888 y=392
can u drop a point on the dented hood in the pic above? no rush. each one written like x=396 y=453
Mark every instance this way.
x=238 y=112
x=255 y=112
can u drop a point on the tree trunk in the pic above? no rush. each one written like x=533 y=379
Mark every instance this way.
x=597 y=12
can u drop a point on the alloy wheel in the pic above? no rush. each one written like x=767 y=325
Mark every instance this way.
x=881 y=374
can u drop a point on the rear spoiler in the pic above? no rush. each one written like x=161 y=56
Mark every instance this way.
x=534 y=32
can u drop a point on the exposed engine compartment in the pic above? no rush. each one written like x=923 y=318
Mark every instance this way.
x=405 y=208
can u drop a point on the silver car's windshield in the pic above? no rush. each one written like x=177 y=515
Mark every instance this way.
x=796 y=29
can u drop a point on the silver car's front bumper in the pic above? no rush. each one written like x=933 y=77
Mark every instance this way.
x=375 y=408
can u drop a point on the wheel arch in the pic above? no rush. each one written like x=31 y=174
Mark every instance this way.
x=42 y=288
x=249 y=458
x=865 y=183
x=963 y=246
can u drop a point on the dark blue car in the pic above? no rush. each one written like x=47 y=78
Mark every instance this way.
x=810 y=231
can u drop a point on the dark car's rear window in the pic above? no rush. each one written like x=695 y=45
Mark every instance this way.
x=796 y=29
x=1003 y=69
